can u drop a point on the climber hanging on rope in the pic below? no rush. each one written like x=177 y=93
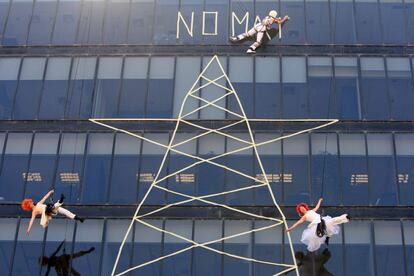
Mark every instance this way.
x=320 y=229
x=46 y=211
x=260 y=29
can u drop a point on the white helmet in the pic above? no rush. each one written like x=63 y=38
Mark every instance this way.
x=273 y=13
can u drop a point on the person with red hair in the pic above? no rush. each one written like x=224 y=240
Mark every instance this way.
x=46 y=211
x=320 y=229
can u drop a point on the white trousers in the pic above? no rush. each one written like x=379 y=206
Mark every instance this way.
x=339 y=220
x=252 y=32
x=63 y=211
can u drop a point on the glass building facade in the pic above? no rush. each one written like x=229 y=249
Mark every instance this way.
x=63 y=62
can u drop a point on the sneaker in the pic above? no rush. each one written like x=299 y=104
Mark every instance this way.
x=234 y=39
x=348 y=217
x=80 y=219
x=251 y=51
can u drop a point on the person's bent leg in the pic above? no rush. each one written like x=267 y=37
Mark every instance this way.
x=69 y=214
x=341 y=219
x=257 y=43
x=242 y=36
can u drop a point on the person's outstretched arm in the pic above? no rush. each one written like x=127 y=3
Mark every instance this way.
x=30 y=223
x=318 y=205
x=46 y=196
x=302 y=220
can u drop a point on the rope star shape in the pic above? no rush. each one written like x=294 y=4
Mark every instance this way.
x=249 y=143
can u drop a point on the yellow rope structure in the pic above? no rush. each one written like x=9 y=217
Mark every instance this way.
x=171 y=147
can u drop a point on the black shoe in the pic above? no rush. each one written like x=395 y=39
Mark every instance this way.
x=234 y=39
x=62 y=198
x=327 y=241
x=348 y=217
x=80 y=219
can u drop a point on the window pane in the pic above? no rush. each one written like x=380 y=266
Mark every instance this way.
x=4 y=9
x=268 y=91
x=18 y=22
x=79 y=102
x=409 y=245
x=397 y=10
x=222 y=8
x=294 y=87
x=141 y=21
x=238 y=246
x=382 y=172
x=294 y=30
x=354 y=169
x=70 y=165
x=9 y=70
x=55 y=89
x=367 y=22
x=317 y=26
x=134 y=88
x=165 y=29
x=116 y=22
x=410 y=20
x=15 y=166
x=347 y=89
x=7 y=235
x=67 y=20
x=320 y=85
x=161 y=85
x=42 y=165
x=29 y=91
x=374 y=89
x=343 y=21
x=91 y=22
x=404 y=145
x=358 y=248
x=187 y=8
x=401 y=88
x=241 y=76
x=41 y=25
x=107 y=87
x=97 y=168
x=296 y=158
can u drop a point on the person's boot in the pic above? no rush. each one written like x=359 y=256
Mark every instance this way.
x=234 y=39
x=79 y=219
x=62 y=198
x=348 y=217
x=251 y=51
x=327 y=241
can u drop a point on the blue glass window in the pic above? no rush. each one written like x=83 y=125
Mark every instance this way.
x=125 y=167
x=88 y=236
x=374 y=89
x=317 y=21
x=192 y=35
x=334 y=263
x=187 y=71
x=381 y=169
x=409 y=246
x=295 y=169
x=401 y=88
x=216 y=23
x=271 y=157
x=41 y=25
x=15 y=166
x=343 y=21
x=55 y=89
x=320 y=86
x=396 y=10
x=354 y=169
x=404 y=147
x=147 y=247
x=161 y=86
x=358 y=249
x=368 y=23
x=79 y=102
x=30 y=88
x=4 y=9
x=134 y=87
x=9 y=71
x=91 y=22
x=141 y=21
x=116 y=21
x=267 y=88
x=347 y=89
x=28 y=249
x=152 y=156
x=241 y=161
x=206 y=262
x=241 y=76
x=178 y=265
x=97 y=168
x=7 y=236
x=213 y=92
x=211 y=178
x=39 y=177
x=295 y=98
x=325 y=169
x=114 y=234
x=108 y=87
x=164 y=30
x=410 y=20
x=240 y=245
x=17 y=25
x=70 y=165
x=67 y=20
x=294 y=31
